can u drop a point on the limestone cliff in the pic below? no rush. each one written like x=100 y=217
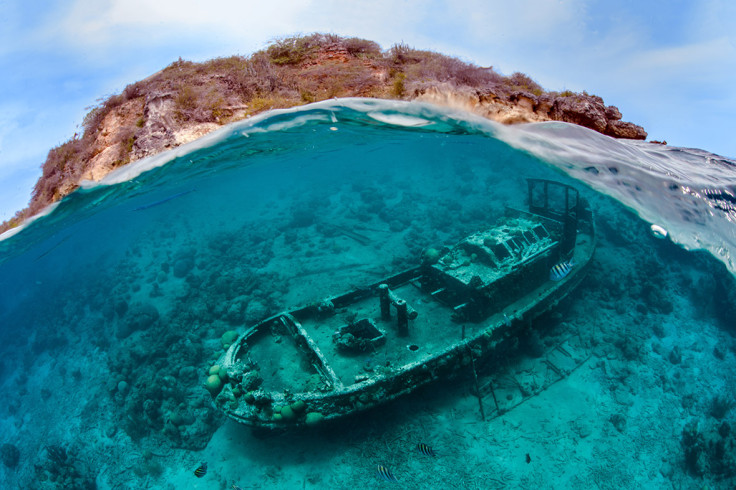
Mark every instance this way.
x=187 y=100
x=522 y=107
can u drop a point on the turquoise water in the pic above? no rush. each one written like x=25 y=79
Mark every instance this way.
x=113 y=306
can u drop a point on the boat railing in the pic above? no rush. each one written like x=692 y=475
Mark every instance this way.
x=310 y=349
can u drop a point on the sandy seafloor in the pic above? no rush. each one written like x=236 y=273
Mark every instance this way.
x=89 y=393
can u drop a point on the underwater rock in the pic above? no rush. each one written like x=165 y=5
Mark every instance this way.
x=666 y=470
x=255 y=311
x=187 y=374
x=182 y=266
x=719 y=352
x=430 y=256
x=64 y=468
x=287 y=413
x=618 y=421
x=693 y=444
x=179 y=418
x=228 y=338
x=251 y=380
x=302 y=218
x=583 y=430
x=234 y=313
x=194 y=281
x=675 y=356
x=724 y=429
x=123 y=387
x=141 y=316
x=396 y=226
x=314 y=418
x=9 y=455
x=720 y=405
x=708 y=449
x=121 y=307
x=213 y=384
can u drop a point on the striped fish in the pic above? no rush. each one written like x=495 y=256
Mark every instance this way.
x=201 y=470
x=561 y=270
x=425 y=449
x=386 y=474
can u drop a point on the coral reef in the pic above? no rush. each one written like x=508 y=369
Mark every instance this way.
x=710 y=449
x=62 y=468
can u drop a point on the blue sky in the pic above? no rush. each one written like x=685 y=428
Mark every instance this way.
x=669 y=66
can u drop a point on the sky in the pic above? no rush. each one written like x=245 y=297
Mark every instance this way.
x=669 y=66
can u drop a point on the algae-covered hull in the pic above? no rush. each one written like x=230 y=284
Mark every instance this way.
x=371 y=345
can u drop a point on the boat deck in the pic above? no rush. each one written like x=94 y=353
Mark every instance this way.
x=430 y=333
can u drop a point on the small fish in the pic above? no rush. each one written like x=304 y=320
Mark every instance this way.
x=425 y=449
x=201 y=471
x=385 y=474
x=235 y=487
x=528 y=458
x=561 y=270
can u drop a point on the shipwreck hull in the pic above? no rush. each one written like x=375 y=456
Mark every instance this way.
x=354 y=351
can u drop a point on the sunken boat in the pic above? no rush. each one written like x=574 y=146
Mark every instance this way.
x=354 y=351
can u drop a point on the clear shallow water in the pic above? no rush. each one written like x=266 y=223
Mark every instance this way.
x=113 y=304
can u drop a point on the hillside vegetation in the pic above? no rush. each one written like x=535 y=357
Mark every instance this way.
x=186 y=100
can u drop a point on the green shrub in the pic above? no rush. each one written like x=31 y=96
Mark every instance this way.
x=126 y=138
x=398 y=88
x=257 y=77
x=520 y=81
x=292 y=50
x=215 y=104
x=361 y=47
x=402 y=53
x=186 y=99
x=306 y=96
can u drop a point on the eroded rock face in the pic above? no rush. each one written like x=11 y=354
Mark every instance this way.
x=590 y=111
x=582 y=111
x=157 y=134
x=524 y=107
x=621 y=129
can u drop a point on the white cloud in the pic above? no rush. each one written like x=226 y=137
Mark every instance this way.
x=557 y=22
x=96 y=26
x=696 y=62
x=101 y=26
x=714 y=18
